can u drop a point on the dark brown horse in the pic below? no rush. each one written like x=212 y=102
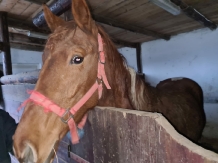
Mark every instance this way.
x=71 y=62
x=192 y=96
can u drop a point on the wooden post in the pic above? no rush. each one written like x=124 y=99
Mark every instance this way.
x=4 y=38
x=138 y=57
x=139 y=60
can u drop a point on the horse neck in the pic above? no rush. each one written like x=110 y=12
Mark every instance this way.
x=118 y=78
x=143 y=96
x=127 y=91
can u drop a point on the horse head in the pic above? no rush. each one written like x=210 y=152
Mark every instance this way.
x=73 y=64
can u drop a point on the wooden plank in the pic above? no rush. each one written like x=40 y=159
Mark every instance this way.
x=124 y=35
x=1 y=46
x=139 y=58
x=164 y=17
x=124 y=43
x=95 y=3
x=131 y=136
x=143 y=39
x=19 y=41
x=39 y=2
x=21 y=24
x=83 y=150
x=26 y=47
x=195 y=15
x=19 y=7
x=105 y=5
x=131 y=28
x=19 y=38
x=4 y=38
x=6 y=5
x=171 y=23
x=122 y=8
x=120 y=135
x=30 y=10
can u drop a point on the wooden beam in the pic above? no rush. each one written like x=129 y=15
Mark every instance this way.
x=19 y=41
x=28 y=26
x=40 y=2
x=127 y=27
x=119 y=43
x=139 y=60
x=23 y=42
x=14 y=37
x=39 y=21
x=26 y=46
x=4 y=38
x=130 y=28
x=124 y=43
x=194 y=14
x=16 y=23
x=1 y=46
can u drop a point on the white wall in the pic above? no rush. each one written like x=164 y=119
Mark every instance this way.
x=130 y=55
x=193 y=55
x=23 y=60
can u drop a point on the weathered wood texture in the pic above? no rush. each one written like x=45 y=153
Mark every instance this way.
x=40 y=2
x=141 y=14
x=118 y=135
x=131 y=136
x=83 y=150
x=4 y=39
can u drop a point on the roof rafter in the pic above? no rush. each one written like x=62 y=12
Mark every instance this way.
x=194 y=14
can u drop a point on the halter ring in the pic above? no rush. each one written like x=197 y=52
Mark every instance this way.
x=69 y=113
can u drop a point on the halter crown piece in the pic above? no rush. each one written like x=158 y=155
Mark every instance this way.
x=49 y=106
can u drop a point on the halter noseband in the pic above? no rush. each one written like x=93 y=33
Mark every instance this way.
x=49 y=106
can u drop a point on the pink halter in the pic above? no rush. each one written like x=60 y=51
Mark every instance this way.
x=49 y=106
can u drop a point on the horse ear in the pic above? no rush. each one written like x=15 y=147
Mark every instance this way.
x=82 y=15
x=52 y=20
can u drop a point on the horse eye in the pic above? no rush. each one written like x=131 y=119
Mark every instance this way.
x=76 y=60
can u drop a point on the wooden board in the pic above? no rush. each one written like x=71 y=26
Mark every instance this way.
x=141 y=13
x=118 y=135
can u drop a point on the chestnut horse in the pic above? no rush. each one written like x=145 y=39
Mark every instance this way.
x=71 y=62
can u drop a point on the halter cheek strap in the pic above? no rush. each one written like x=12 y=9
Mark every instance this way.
x=49 y=106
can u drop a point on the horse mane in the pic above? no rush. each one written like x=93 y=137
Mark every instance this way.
x=116 y=70
x=127 y=80
x=141 y=92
